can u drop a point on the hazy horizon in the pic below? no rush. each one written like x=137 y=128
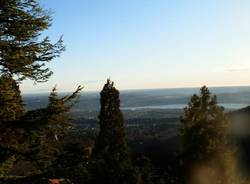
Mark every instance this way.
x=39 y=91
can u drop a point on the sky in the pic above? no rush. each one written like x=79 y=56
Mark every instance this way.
x=142 y=44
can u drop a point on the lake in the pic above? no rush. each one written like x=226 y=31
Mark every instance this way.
x=181 y=106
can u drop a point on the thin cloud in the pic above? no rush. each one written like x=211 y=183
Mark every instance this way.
x=242 y=69
x=237 y=69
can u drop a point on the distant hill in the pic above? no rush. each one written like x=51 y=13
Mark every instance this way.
x=240 y=122
x=153 y=97
x=244 y=111
x=241 y=134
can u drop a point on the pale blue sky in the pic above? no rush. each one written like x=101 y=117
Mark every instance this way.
x=149 y=43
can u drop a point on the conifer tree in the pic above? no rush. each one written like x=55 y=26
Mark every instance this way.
x=6 y=166
x=38 y=139
x=23 y=53
x=204 y=126
x=113 y=163
x=205 y=133
x=55 y=122
x=111 y=139
x=58 y=117
x=11 y=104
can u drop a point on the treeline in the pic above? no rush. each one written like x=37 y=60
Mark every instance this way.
x=36 y=147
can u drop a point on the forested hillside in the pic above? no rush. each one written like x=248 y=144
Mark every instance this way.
x=49 y=143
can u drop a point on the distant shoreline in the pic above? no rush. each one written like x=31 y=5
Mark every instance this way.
x=229 y=106
x=141 y=90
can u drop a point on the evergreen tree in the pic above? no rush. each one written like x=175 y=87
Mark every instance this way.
x=72 y=163
x=111 y=139
x=54 y=123
x=204 y=126
x=58 y=117
x=37 y=139
x=7 y=166
x=205 y=131
x=11 y=104
x=23 y=53
x=149 y=174
x=32 y=136
x=113 y=162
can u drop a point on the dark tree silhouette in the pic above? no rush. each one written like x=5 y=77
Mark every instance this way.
x=58 y=119
x=53 y=123
x=204 y=126
x=205 y=133
x=37 y=137
x=113 y=162
x=111 y=139
x=32 y=137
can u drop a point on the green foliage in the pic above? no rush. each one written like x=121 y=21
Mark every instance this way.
x=108 y=172
x=71 y=164
x=23 y=52
x=204 y=126
x=57 y=113
x=54 y=124
x=208 y=153
x=112 y=162
x=32 y=137
x=11 y=104
x=6 y=166
x=35 y=138
x=111 y=140
x=149 y=174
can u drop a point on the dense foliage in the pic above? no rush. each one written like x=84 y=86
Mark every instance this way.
x=111 y=140
x=11 y=104
x=113 y=162
x=207 y=147
x=204 y=126
x=23 y=52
